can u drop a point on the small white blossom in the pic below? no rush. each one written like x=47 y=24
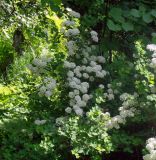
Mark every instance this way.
x=68 y=110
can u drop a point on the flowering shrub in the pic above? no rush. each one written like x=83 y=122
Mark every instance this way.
x=151 y=142
x=88 y=91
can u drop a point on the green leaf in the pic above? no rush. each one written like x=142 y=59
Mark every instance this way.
x=142 y=9
x=153 y=34
x=153 y=13
x=135 y=13
x=147 y=18
x=128 y=26
x=112 y=26
x=116 y=14
x=126 y=13
x=54 y=4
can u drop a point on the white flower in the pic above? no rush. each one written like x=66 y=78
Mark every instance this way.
x=76 y=107
x=110 y=96
x=105 y=95
x=77 y=98
x=68 y=110
x=119 y=84
x=93 y=33
x=72 y=102
x=42 y=89
x=76 y=92
x=73 y=84
x=104 y=73
x=109 y=85
x=70 y=74
x=150 y=147
x=62 y=30
x=66 y=64
x=124 y=96
x=68 y=9
x=151 y=47
x=99 y=74
x=76 y=80
x=110 y=91
x=97 y=68
x=59 y=120
x=71 y=52
x=70 y=44
x=72 y=32
x=91 y=78
x=85 y=75
x=81 y=103
x=93 y=64
x=69 y=65
x=48 y=93
x=40 y=122
x=72 y=65
x=83 y=89
x=85 y=84
x=154 y=55
x=78 y=74
x=89 y=69
x=84 y=61
x=79 y=112
x=68 y=23
x=71 y=94
x=147 y=157
x=151 y=140
x=101 y=86
x=36 y=61
x=85 y=97
x=101 y=59
x=95 y=39
x=74 y=14
x=94 y=36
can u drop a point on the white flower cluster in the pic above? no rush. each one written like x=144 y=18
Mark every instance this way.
x=94 y=36
x=48 y=87
x=85 y=73
x=71 y=46
x=68 y=23
x=40 y=122
x=59 y=120
x=38 y=64
x=151 y=147
x=152 y=88
x=80 y=77
x=72 y=32
x=110 y=93
x=152 y=47
x=126 y=110
x=73 y=13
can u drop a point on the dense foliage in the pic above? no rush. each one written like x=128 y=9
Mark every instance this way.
x=77 y=80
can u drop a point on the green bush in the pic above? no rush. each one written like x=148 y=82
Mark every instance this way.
x=6 y=54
